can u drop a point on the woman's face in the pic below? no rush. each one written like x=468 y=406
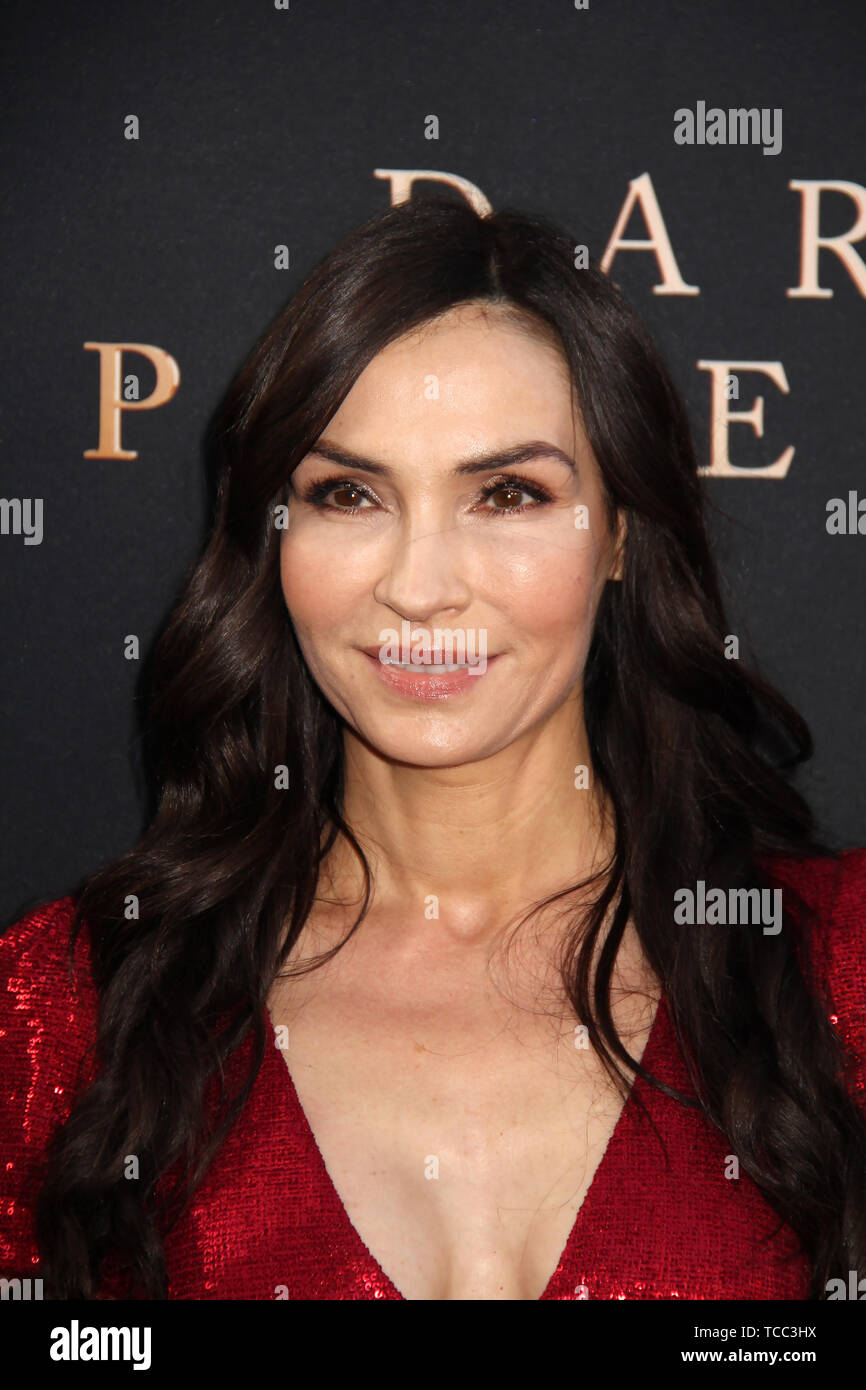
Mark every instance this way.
x=422 y=547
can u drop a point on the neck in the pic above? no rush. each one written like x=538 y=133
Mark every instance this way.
x=480 y=841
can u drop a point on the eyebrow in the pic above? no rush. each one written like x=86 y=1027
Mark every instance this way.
x=477 y=463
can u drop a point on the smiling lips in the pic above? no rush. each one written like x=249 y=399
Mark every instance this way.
x=430 y=681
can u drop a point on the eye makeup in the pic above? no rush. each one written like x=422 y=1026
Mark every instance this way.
x=317 y=493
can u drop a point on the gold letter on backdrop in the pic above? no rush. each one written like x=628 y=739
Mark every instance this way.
x=111 y=402
x=720 y=463
x=403 y=179
x=641 y=190
x=811 y=243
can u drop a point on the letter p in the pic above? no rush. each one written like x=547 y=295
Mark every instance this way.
x=111 y=403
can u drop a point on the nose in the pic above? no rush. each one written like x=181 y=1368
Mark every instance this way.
x=425 y=573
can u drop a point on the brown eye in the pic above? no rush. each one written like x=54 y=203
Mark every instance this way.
x=511 y=495
x=353 y=494
x=508 y=494
x=349 y=496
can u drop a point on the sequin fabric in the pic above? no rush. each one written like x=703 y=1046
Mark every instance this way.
x=661 y=1219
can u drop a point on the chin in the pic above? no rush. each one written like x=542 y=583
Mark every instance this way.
x=449 y=748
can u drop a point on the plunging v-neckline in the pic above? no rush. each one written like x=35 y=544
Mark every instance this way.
x=604 y=1164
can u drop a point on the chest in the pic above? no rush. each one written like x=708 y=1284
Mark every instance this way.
x=460 y=1135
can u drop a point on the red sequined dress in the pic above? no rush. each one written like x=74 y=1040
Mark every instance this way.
x=661 y=1219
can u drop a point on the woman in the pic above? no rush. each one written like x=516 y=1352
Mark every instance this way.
x=478 y=947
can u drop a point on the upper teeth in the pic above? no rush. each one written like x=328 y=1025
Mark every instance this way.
x=424 y=666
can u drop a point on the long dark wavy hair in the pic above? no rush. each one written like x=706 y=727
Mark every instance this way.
x=693 y=750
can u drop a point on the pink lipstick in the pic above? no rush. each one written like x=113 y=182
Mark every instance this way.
x=428 y=682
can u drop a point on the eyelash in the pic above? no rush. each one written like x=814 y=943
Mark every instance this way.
x=316 y=494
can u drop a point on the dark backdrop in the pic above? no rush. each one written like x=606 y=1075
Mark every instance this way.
x=262 y=126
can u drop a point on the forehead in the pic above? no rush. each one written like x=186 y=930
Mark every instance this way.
x=474 y=365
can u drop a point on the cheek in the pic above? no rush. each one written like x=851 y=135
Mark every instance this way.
x=551 y=591
x=317 y=585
